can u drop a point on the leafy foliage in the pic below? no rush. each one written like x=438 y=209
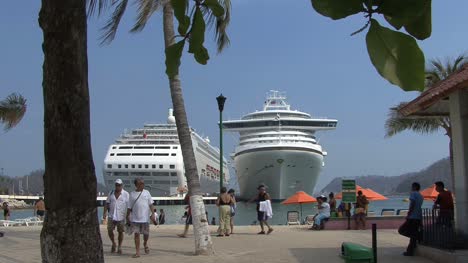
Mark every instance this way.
x=173 y=55
x=12 y=110
x=190 y=27
x=180 y=10
x=338 y=9
x=395 y=55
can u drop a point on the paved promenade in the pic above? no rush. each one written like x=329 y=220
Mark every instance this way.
x=285 y=244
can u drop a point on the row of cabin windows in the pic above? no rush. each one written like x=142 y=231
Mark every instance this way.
x=158 y=182
x=283 y=140
x=140 y=166
x=143 y=154
x=142 y=174
x=145 y=147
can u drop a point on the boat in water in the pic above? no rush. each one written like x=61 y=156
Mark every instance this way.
x=153 y=153
x=278 y=148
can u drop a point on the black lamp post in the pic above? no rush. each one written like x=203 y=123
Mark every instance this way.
x=221 y=99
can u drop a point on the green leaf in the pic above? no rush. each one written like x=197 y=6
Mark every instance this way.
x=173 y=55
x=337 y=9
x=396 y=22
x=421 y=28
x=215 y=7
x=407 y=9
x=396 y=56
x=180 y=10
x=202 y=56
x=197 y=34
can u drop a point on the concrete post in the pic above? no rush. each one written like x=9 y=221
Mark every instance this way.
x=459 y=124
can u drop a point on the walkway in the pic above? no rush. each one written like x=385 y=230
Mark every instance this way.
x=285 y=244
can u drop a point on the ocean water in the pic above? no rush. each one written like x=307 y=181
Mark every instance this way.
x=246 y=213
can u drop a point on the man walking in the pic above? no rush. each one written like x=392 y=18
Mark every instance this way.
x=413 y=219
x=116 y=205
x=140 y=210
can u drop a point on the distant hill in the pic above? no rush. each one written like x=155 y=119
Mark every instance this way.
x=32 y=183
x=400 y=185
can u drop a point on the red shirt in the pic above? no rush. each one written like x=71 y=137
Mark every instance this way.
x=445 y=201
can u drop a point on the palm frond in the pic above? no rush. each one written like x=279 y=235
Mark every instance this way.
x=110 y=29
x=146 y=9
x=439 y=70
x=221 y=36
x=12 y=110
x=100 y=4
x=396 y=123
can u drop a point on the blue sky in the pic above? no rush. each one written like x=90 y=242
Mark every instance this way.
x=291 y=48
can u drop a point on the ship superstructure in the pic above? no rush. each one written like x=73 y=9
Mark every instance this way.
x=278 y=148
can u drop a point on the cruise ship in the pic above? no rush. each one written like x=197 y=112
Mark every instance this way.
x=278 y=148
x=153 y=153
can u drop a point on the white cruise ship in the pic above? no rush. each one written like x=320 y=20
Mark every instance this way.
x=278 y=148
x=154 y=154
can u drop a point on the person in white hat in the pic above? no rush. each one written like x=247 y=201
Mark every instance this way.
x=116 y=206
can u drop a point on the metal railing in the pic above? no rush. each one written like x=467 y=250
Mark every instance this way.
x=438 y=229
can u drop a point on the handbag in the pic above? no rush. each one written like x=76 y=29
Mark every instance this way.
x=128 y=226
x=405 y=229
x=233 y=210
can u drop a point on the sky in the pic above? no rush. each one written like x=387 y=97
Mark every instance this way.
x=274 y=46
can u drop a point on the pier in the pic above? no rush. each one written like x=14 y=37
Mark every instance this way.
x=161 y=200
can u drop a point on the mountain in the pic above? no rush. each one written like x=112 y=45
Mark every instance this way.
x=400 y=185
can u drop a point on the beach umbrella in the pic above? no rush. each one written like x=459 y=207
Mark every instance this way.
x=369 y=193
x=300 y=198
x=430 y=193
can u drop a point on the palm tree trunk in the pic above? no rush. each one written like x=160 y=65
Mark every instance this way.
x=203 y=243
x=71 y=228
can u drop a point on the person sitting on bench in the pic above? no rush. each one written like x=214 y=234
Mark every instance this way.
x=323 y=213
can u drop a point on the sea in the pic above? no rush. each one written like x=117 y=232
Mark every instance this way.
x=246 y=213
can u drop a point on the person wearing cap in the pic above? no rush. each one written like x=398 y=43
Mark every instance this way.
x=116 y=206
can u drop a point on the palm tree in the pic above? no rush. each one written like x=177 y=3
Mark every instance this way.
x=12 y=110
x=203 y=243
x=436 y=72
x=71 y=228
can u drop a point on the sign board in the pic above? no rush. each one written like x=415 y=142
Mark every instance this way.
x=348 y=188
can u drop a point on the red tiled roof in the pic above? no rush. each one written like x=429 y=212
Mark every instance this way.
x=439 y=91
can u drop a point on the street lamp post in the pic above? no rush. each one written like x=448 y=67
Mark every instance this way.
x=221 y=99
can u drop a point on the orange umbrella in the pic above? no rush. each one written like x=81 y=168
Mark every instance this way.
x=300 y=198
x=430 y=193
x=369 y=193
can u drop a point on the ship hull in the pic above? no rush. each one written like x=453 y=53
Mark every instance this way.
x=283 y=171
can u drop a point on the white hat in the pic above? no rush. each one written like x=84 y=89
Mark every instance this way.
x=118 y=181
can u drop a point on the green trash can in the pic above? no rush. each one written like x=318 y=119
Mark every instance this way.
x=354 y=253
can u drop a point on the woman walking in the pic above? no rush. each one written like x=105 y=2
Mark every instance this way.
x=224 y=203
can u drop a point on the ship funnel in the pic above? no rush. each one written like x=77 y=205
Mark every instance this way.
x=170 y=117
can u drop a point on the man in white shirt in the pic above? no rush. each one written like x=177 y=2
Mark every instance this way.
x=139 y=212
x=116 y=205
x=323 y=212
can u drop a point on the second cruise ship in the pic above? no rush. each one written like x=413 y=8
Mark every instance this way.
x=153 y=153
x=278 y=148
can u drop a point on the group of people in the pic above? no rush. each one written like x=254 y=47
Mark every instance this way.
x=39 y=209
x=129 y=211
